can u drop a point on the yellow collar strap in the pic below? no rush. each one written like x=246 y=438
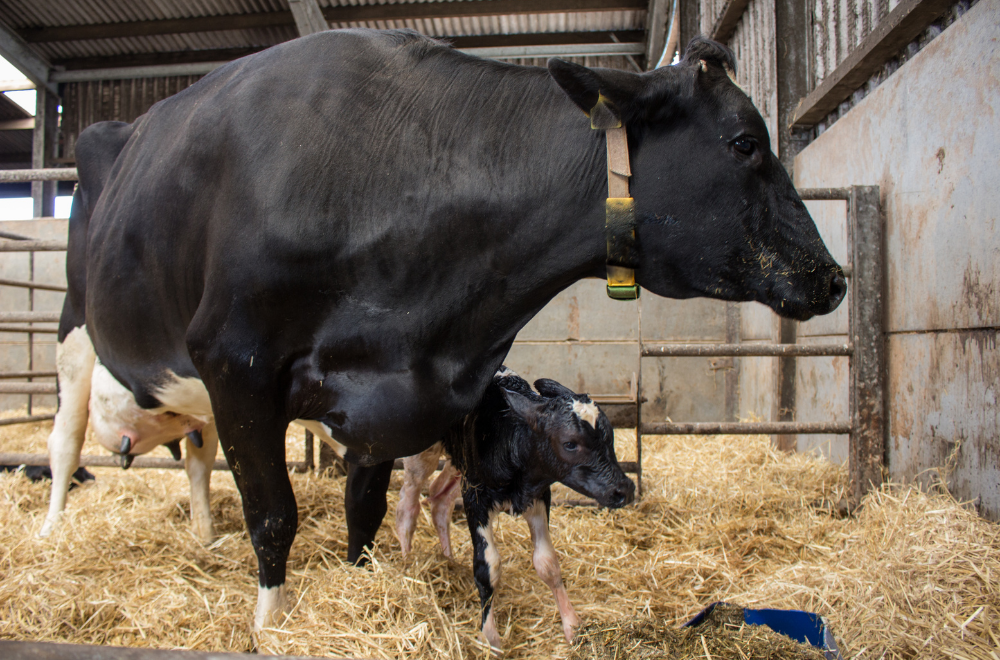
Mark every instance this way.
x=619 y=207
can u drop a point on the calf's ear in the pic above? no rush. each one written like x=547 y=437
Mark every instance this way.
x=527 y=409
x=605 y=95
x=550 y=389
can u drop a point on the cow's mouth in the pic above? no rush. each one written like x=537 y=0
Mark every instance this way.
x=793 y=303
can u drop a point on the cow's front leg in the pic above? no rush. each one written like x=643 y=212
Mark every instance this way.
x=365 y=506
x=75 y=364
x=443 y=493
x=547 y=562
x=486 y=566
x=198 y=462
x=417 y=470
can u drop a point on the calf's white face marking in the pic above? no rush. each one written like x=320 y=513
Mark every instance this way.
x=588 y=411
x=504 y=373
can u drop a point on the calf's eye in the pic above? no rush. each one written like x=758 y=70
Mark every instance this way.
x=569 y=446
x=744 y=146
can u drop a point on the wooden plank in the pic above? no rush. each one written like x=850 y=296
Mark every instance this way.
x=867 y=446
x=14 y=49
x=342 y=14
x=728 y=18
x=16 y=85
x=891 y=34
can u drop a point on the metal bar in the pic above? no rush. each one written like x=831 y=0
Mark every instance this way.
x=29 y=317
x=825 y=194
x=638 y=402
x=28 y=374
x=743 y=428
x=28 y=388
x=903 y=24
x=744 y=350
x=131 y=72
x=10 y=421
x=867 y=445
x=115 y=461
x=33 y=246
x=39 y=174
x=16 y=237
x=29 y=328
x=31 y=285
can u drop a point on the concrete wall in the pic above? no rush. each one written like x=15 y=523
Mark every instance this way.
x=48 y=268
x=928 y=137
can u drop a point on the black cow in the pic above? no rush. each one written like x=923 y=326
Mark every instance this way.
x=509 y=451
x=351 y=228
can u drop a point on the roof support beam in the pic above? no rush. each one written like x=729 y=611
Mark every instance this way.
x=308 y=17
x=339 y=15
x=14 y=49
x=656 y=30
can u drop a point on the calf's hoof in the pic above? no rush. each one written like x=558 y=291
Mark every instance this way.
x=49 y=526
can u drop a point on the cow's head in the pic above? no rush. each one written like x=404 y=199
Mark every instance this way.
x=717 y=214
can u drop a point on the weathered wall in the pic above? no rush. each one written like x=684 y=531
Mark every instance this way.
x=49 y=268
x=928 y=137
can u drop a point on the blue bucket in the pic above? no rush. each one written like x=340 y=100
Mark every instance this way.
x=804 y=627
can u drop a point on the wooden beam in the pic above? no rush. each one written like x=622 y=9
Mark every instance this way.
x=16 y=51
x=24 y=124
x=891 y=34
x=340 y=15
x=656 y=30
x=729 y=17
x=155 y=59
x=15 y=85
x=309 y=17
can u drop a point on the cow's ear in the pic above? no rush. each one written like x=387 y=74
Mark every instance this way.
x=524 y=407
x=604 y=94
x=550 y=389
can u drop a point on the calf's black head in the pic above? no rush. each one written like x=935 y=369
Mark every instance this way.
x=717 y=214
x=573 y=443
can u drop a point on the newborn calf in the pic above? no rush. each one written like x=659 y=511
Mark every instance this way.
x=511 y=450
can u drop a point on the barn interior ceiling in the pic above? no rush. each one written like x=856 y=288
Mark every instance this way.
x=61 y=42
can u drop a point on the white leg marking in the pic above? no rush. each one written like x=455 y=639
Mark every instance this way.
x=198 y=463
x=490 y=633
x=492 y=556
x=442 y=495
x=547 y=566
x=75 y=364
x=271 y=603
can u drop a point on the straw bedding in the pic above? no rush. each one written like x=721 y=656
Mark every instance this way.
x=914 y=574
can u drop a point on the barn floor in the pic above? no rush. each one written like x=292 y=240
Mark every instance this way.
x=913 y=575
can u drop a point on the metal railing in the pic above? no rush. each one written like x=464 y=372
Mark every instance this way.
x=865 y=351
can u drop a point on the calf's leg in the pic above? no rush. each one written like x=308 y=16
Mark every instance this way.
x=417 y=470
x=486 y=567
x=443 y=492
x=198 y=463
x=365 y=506
x=547 y=562
x=75 y=364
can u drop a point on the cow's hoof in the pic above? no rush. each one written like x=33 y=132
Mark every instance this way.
x=205 y=533
x=271 y=607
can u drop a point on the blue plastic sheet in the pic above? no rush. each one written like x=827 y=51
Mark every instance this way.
x=805 y=627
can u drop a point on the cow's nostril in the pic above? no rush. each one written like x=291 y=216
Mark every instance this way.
x=838 y=288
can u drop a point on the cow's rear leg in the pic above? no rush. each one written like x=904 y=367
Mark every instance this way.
x=75 y=364
x=443 y=492
x=547 y=562
x=198 y=462
x=416 y=471
x=365 y=505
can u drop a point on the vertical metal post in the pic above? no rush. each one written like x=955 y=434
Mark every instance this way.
x=868 y=420
x=638 y=404
x=732 y=381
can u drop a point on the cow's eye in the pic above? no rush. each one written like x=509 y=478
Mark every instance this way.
x=744 y=146
x=570 y=446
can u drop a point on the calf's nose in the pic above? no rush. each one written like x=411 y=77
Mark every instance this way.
x=623 y=494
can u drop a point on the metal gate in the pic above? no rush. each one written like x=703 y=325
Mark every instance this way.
x=865 y=350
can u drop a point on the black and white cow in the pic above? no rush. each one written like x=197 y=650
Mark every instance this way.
x=510 y=450
x=351 y=228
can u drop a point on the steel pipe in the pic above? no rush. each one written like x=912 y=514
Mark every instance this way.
x=743 y=428
x=29 y=317
x=744 y=350
x=40 y=174
x=25 y=284
x=28 y=328
x=28 y=374
x=825 y=194
x=28 y=388
x=32 y=246
x=10 y=421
